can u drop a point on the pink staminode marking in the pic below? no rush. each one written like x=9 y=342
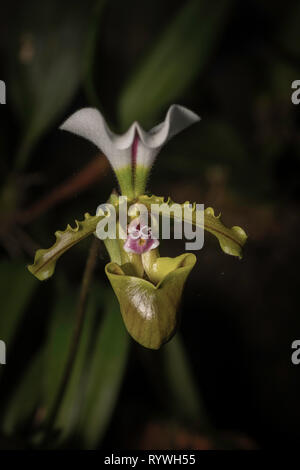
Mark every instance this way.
x=134 y=149
x=139 y=239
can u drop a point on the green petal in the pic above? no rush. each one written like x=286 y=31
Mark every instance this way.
x=45 y=259
x=150 y=312
x=231 y=239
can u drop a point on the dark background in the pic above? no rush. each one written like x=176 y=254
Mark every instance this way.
x=232 y=62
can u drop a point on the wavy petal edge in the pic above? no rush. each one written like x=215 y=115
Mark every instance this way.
x=231 y=240
x=45 y=260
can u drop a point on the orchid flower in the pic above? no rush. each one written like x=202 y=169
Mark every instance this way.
x=149 y=287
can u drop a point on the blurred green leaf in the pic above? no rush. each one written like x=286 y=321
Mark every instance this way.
x=57 y=346
x=25 y=398
x=69 y=413
x=178 y=57
x=184 y=400
x=90 y=54
x=46 y=60
x=216 y=143
x=16 y=289
x=104 y=376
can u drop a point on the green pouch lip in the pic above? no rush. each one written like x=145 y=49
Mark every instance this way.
x=150 y=312
x=120 y=272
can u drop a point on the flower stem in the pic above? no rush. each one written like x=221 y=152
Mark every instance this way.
x=79 y=321
x=124 y=177
x=140 y=179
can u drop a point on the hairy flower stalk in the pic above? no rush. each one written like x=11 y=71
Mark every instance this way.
x=149 y=287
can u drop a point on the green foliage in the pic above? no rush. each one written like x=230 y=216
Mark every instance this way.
x=176 y=60
x=46 y=65
x=103 y=374
x=16 y=290
x=25 y=399
x=56 y=351
x=90 y=58
x=185 y=400
x=92 y=392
